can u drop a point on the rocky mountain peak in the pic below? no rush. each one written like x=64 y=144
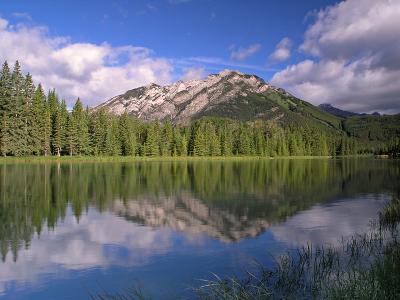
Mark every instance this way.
x=183 y=100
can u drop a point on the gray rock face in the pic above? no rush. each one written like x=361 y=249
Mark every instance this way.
x=182 y=101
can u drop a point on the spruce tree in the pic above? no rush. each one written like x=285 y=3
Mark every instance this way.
x=71 y=136
x=183 y=146
x=127 y=135
x=151 y=147
x=81 y=130
x=244 y=143
x=46 y=129
x=29 y=91
x=167 y=139
x=214 y=141
x=226 y=141
x=113 y=146
x=37 y=122
x=5 y=109
x=58 y=131
x=199 y=145
x=17 y=120
x=259 y=142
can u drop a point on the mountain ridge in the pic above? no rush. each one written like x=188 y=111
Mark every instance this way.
x=229 y=94
x=329 y=108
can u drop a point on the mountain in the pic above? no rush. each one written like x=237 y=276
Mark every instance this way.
x=228 y=94
x=336 y=111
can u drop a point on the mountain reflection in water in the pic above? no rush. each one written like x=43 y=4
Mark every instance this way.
x=88 y=221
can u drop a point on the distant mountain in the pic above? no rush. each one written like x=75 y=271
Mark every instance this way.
x=228 y=94
x=336 y=111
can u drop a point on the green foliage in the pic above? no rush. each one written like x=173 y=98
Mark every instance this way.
x=274 y=124
x=151 y=146
x=127 y=135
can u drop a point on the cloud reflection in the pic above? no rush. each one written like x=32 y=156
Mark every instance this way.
x=326 y=224
x=93 y=243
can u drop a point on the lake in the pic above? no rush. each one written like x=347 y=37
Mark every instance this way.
x=69 y=230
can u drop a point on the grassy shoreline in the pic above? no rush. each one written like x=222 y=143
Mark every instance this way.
x=71 y=159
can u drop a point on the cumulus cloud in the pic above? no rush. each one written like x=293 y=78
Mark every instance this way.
x=282 y=50
x=356 y=62
x=243 y=53
x=194 y=73
x=94 y=72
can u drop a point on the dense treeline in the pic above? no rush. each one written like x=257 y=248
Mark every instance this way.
x=33 y=123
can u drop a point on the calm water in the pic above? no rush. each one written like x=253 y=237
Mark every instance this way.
x=68 y=230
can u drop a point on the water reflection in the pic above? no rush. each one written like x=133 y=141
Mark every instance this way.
x=325 y=224
x=112 y=219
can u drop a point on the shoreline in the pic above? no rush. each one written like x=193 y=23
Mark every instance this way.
x=108 y=159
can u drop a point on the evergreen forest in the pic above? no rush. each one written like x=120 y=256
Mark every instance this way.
x=35 y=122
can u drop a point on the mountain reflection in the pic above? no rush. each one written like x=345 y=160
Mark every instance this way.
x=227 y=200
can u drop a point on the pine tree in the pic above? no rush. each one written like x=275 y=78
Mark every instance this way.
x=5 y=109
x=46 y=129
x=199 y=145
x=151 y=147
x=180 y=142
x=259 y=142
x=226 y=141
x=167 y=139
x=244 y=144
x=29 y=91
x=71 y=136
x=81 y=132
x=55 y=122
x=127 y=135
x=214 y=141
x=59 y=128
x=323 y=145
x=98 y=131
x=17 y=120
x=36 y=122
x=293 y=146
x=63 y=126
x=183 y=146
x=113 y=146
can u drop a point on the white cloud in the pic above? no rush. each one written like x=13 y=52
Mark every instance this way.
x=3 y=23
x=218 y=64
x=357 y=58
x=241 y=54
x=282 y=50
x=194 y=73
x=94 y=72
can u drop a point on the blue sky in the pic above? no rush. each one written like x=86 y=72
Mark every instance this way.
x=137 y=42
x=176 y=29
